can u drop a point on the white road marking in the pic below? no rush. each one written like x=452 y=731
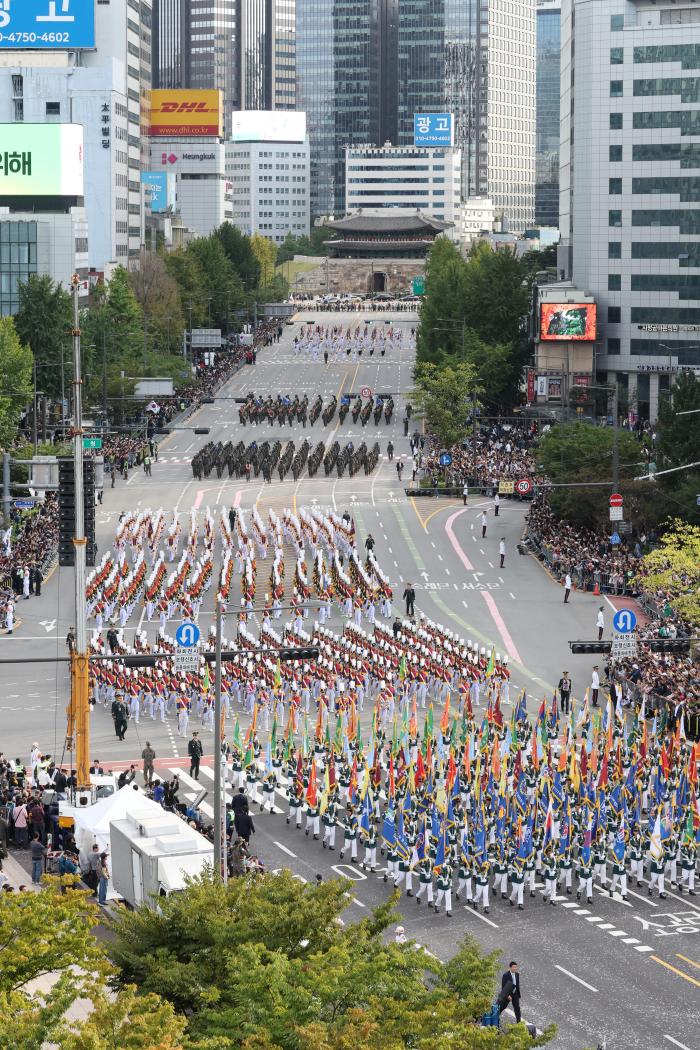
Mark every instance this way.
x=675 y=1042
x=631 y=940
x=575 y=978
x=606 y=926
x=284 y=849
x=617 y=933
x=478 y=915
x=644 y=900
x=643 y=948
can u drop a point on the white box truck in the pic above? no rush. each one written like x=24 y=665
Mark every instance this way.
x=152 y=856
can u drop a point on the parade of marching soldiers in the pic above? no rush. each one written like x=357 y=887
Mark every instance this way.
x=287 y=410
x=471 y=796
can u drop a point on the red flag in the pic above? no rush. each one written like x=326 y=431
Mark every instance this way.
x=311 y=793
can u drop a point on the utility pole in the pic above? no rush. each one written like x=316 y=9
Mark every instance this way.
x=34 y=413
x=615 y=448
x=219 y=832
x=79 y=710
x=6 y=497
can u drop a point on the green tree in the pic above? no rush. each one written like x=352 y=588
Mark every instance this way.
x=674 y=567
x=16 y=368
x=678 y=444
x=158 y=295
x=495 y=295
x=50 y=960
x=442 y=321
x=239 y=249
x=576 y=453
x=265 y=251
x=223 y=286
x=185 y=269
x=446 y=397
x=264 y=964
x=44 y=322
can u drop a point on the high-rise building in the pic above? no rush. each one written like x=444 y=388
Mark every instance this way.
x=267 y=165
x=547 y=124
x=364 y=69
x=404 y=179
x=194 y=47
x=338 y=82
x=630 y=186
x=103 y=84
x=265 y=54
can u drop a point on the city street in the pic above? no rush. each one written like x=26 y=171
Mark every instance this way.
x=625 y=972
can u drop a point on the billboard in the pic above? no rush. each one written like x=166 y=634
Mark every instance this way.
x=433 y=129
x=41 y=160
x=255 y=125
x=564 y=321
x=160 y=190
x=186 y=114
x=57 y=25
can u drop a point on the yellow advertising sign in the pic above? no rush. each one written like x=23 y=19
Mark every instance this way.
x=186 y=113
x=506 y=488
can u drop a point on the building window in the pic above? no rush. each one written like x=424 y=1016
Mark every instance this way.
x=614 y=282
x=613 y=345
x=614 y=314
x=614 y=218
x=614 y=250
x=616 y=88
x=617 y=56
x=617 y=23
x=616 y=121
x=53 y=109
x=614 y=153
x=614 y=186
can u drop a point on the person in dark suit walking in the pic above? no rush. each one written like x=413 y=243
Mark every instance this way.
x=244 y=825
x=510 y=984
x=410 y=598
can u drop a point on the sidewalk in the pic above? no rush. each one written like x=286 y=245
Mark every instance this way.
x=17 y=875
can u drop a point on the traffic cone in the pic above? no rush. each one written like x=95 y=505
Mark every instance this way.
x=596 y=588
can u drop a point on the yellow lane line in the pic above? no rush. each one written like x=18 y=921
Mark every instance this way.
x=673 y=969
x=691 y=962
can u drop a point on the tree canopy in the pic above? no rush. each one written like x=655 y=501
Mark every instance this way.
x=674 y=567
x=44 y=322
x=446 y=395
x=265 y=964
x=473 y=312
x=575 y=453
x=16 y=366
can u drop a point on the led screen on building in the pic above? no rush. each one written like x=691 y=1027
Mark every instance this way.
x=256 y=125
x=41 y=160
x=564 y=321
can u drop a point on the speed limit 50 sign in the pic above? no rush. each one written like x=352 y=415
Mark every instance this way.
x=524 y=487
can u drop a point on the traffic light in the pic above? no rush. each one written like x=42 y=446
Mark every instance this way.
x=150 y=660
x=298 y=654
x=669 y=645
x=66 y=510
x=590 y=647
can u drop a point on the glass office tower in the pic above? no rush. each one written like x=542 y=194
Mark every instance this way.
x=547 y=151
x=338 y=86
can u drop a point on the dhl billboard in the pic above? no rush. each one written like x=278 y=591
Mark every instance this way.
x=186 y=114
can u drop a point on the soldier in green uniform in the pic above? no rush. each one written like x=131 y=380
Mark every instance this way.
x=426 y=880
x=329 y=822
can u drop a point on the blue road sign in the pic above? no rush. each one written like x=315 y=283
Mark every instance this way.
x=56 y=25
x=624 y=621
x=187 y=635
x=24 y=504
x=445 y=459
x=615 y=538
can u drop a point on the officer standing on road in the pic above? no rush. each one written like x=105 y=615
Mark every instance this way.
x=484 y=522
x=148 y=754
x=567 y=588
x=502 y=549
x=390 y=451
x=600 y=623
x=565 y=692
x=195 y=751
x=409 y=595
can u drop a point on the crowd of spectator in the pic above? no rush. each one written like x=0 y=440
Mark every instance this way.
x=586 y=556
x=504 y=452
x=27 y=549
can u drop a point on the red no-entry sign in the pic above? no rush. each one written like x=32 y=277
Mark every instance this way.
x=616 y=500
